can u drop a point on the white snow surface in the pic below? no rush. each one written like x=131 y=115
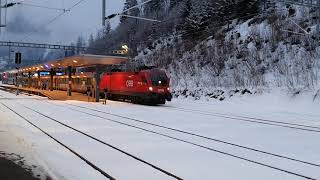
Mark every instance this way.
x=207 y=118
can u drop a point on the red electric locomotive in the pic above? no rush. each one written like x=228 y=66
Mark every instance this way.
x=149 y=86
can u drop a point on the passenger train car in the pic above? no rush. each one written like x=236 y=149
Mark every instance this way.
x=146 y=86
x=8 y=78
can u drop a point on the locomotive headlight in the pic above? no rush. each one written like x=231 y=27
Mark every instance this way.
x=150 y=88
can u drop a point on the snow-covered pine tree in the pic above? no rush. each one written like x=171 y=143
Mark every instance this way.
x=183 y=13
x=197 y=21
x=90 y=40
x=232 y=9
x=80 y=43
x=133 y=12
x=106 y=30
x=155 y=9
x=173 y=3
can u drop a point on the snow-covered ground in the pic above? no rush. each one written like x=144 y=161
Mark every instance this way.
x=247 y=121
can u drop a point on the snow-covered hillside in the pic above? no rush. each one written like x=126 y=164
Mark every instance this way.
x=260 y=53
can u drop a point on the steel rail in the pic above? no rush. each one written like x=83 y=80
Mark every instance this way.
x=196 y=135
x=194 y=144
x=107 y=144
x=236 y=117
x=62 y=144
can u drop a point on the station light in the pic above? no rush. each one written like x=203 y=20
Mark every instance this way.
x=41 y=66
x=125 y=47
x=52 y=65
x=150 y=88
x=75 y=61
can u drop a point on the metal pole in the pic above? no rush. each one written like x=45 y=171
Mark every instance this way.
x=103 y=12
x=5 y=15
x=69 y=80
x=0 y=15
x=39 y=80
x=51 y=78
x=97 y=79
x=29 y=79
x=9 y=53
x=318 y=19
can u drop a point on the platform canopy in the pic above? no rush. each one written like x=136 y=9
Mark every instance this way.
x=84 y=60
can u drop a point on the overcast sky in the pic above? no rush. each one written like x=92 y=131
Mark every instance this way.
x=83 y=20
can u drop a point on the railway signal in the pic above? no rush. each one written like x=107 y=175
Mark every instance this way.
x=18 y=58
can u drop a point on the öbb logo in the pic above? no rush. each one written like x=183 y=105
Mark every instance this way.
x=129 y=83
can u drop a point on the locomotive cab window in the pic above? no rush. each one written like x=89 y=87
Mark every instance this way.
x=144 y=80
x=159 y=78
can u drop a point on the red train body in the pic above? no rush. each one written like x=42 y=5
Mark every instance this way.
x=147 y=86
x=150 y=86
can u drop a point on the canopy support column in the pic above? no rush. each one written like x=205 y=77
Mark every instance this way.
x=97 y=79
x=29 y=80
x=39 y=80
x=69 y=80
x=51 y=79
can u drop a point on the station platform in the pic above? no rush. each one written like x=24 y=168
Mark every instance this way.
x=52 y=95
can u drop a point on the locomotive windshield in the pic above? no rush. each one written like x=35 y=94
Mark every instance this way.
x=159 y=78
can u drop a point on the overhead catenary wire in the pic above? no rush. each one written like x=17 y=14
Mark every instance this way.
x=123 y=13
x=136 y=6
x=55 y=18
x=39 y=6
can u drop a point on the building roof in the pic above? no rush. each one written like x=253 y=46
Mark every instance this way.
x=83 y=60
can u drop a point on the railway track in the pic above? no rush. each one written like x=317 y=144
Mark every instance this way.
x=195 y=144
x=247 y=119
x=251 y=119
x=187 y=142
x=93 y=138
x=62 y=144
x=193 y=134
